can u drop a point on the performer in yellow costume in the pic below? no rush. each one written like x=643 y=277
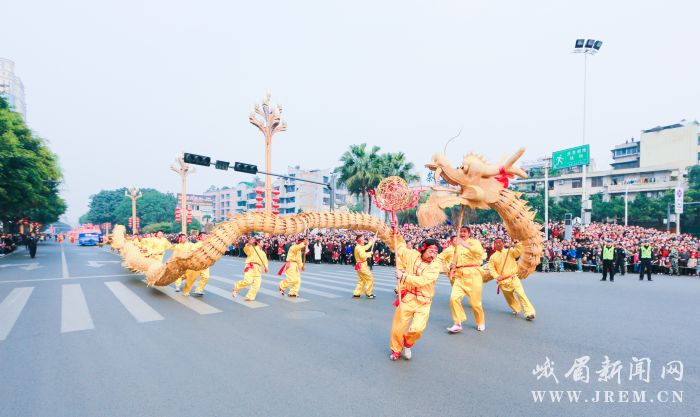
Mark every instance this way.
x=292 y=268
x=255 y=263
x=446 y=258
x=365 y=280
x=191 y=276
x=182 y=245
x=504 y=268
x=417 y=291
x=469 y=256
x=157 y=245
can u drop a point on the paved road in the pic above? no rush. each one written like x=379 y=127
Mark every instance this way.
x=79 y=335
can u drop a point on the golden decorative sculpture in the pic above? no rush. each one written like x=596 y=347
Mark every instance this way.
x=483 y=186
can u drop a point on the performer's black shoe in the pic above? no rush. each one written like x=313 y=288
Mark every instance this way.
x=293 y=295
x=371 y=297
x=356 y=296
x=531 y=317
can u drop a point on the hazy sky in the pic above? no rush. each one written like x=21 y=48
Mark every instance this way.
x=119 y=88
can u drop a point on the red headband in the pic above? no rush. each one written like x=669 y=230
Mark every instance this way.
x=425 y=247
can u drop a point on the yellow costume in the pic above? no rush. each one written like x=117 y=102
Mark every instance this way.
x=417 y=291
x=191 y=277
x=468 y=281
x=365 y=280
x=178 y=249
x=292 y=269
x=255 y=263
x=445 y=257
x=157 y=246
x=504 y=268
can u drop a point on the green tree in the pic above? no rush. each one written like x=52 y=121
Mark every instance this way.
x=101 y=207
x=691 y=214
x=29 y=173
x=114 y=207
x=358 y=170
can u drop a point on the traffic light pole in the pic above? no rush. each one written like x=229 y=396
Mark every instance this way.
x=253 y=169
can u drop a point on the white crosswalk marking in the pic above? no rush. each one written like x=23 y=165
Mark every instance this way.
x=350 y=285
x=75 y=315
x=262 y=290
x=11 y=308
x=275 y=293
x=138 y=308
x=351 y=279
x=193 y=304
x=310 y=290
x=239 y=300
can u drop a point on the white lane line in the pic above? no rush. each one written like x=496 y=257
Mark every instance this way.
x=312 y=291
x=64 y=264
x=75 y=315
x=239 y=300
x=11 y=308
x=138 y=308
x=193 y=304
x=61 y=279
x=263 y=291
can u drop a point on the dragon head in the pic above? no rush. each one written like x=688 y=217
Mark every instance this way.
x=443 y=169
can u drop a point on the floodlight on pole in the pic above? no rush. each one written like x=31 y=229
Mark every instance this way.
x=585 y=47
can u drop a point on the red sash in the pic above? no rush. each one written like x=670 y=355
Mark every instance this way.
x=414 y=291
x=358 y=265
x=285 y=267
x=249 y=266
x=498 y=282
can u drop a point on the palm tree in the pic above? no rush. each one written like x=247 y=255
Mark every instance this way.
x=357 y=170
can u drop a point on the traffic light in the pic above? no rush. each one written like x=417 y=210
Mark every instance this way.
x=191 y=158
x=247 y=168
x=223 y=165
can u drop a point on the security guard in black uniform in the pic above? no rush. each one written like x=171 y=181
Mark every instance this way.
x=645 y=256
x=608 y=255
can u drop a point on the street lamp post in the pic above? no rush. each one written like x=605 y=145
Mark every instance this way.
x=546 y=197
x=270 y=124
x=134 y=193
x=183 y=170
x=586 y=47
x=627 y=187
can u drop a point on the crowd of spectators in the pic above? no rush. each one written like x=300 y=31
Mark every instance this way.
x=672 y=254
x=8 y=243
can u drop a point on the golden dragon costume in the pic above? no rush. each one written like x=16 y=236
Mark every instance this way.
x=481 y=185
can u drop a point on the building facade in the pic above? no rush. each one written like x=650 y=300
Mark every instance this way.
x=223 y=202
x=294 y=196
x=11 y=87
x=656 y=163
